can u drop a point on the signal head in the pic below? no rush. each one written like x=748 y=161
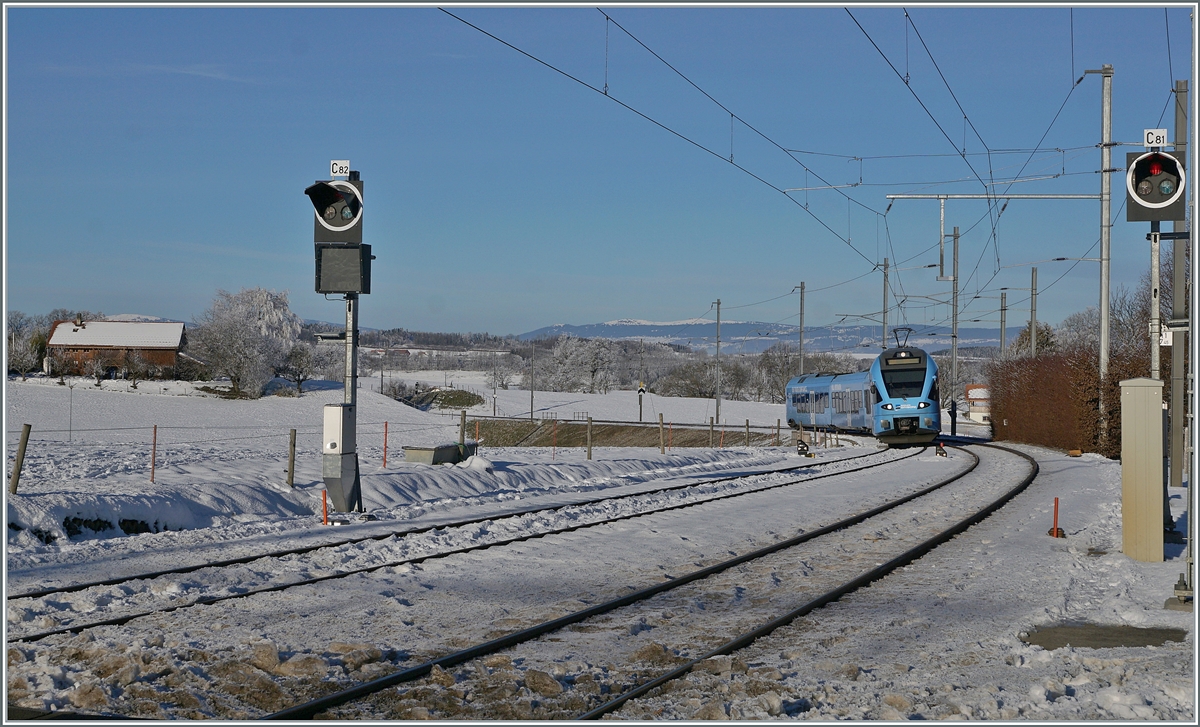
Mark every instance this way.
x=338 y=207
x=1155 y=183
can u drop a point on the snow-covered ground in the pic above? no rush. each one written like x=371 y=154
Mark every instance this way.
x=938 y=639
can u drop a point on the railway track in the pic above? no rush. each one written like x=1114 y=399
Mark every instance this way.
x=580 y=620
x=761 y=591
x=124 y=598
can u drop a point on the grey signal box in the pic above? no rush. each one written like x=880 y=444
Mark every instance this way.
x=343 y=268
x=339 y=458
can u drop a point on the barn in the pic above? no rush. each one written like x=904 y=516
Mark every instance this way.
x=76 y=345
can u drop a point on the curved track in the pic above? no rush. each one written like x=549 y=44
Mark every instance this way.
x=842 y=572
x=107 y=600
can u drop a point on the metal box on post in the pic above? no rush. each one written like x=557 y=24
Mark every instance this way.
x=1142 y=469
x=339 y=459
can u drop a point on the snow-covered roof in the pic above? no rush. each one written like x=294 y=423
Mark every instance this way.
x=116 y=334
x=977 y=391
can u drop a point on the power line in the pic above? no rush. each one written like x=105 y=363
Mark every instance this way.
x=732 y=115
x=870 y=157
x=662 y=126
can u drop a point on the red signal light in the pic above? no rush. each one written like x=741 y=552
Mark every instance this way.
x=1156 y=167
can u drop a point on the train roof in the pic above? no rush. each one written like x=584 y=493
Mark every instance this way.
x=829 y=375
x=888 y=353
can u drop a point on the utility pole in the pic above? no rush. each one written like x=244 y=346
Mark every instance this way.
x=885 y=301
x=1178 y=451
x=801 y=335
x=942 y=238
x=1106 y=72
x=718 y=359
x=1033 y=315
x=1155 y=362
x=1003 y=321
x=954 y=327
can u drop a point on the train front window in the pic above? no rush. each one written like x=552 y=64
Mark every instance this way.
x=904 y=384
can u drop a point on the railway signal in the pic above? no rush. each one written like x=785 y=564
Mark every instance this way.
x=1154 y=186
x=338 y=209
x=343 y=265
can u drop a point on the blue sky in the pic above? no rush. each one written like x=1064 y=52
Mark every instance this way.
x=155 y=155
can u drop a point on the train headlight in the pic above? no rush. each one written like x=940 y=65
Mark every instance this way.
x=923 y=405
x=889 y=407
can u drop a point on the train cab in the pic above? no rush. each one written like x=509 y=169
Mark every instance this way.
x=905 y=382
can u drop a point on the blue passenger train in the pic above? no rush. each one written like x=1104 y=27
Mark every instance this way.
x=896 y=400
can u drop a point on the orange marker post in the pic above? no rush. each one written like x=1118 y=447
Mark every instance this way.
x=1056 y=532
x=324 y=509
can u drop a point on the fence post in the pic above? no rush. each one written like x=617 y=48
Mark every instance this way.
x=589 y=438
x=16 y=473
x=462 y=428
x=662 y=445
x=710 y=432
x=153 y=451
x=477 y=436
x=292 y=457
x=747 y=434
x=722 y=436
x=778 y=423
x=670 y=435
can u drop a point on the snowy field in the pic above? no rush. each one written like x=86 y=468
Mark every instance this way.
x=939 y=639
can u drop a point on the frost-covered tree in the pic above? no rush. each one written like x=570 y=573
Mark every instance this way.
x=246 y=336
x=1079 y=330
x=1046 y=341
x=578 y=364
x=502 y=373
x=306 y=361
x=23 y=356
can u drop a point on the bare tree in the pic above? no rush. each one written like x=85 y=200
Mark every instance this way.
x=60 y=363
x=99 y=365
x=136 y=367
x=300 y=365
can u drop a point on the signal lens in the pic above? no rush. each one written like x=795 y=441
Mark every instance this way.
x=1155 y=168
x=1144 y=188
x=347 y=213
x=1167 y=187
x=330 y=213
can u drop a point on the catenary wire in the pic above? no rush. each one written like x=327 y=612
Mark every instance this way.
x=662 y=126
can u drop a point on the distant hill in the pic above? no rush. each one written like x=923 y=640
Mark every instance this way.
x=139 y=318
x=754 y=337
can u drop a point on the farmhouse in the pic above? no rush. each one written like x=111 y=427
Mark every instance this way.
x=979 y=403
x=77 y=344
